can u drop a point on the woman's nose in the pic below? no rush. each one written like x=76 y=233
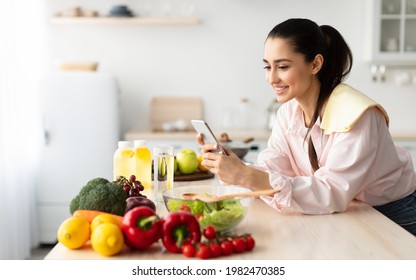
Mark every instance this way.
x=273 y=78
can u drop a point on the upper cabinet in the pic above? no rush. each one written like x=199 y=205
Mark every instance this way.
x=391 y=32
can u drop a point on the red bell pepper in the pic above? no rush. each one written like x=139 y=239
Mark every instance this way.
x=141 y=227
x=179 y=228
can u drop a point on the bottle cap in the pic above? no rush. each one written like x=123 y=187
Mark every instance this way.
x=124 y=144
x=139 y=143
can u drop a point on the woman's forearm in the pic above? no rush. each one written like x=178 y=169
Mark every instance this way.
x=253 y=178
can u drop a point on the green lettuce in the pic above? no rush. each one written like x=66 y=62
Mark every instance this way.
x=223 y=215
x=197 y=207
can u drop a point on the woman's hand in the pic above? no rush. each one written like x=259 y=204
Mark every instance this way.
x=199 y=139
x=229 y=168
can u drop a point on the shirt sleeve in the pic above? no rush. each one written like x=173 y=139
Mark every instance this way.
x=346 y=171
x=276 y=162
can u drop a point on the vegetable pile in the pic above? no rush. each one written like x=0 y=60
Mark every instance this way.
x=112 y=217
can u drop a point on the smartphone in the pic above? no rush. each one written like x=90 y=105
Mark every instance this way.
x=207 y=135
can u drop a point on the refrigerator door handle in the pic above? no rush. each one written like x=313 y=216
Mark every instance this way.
x=46 y=137
x=46 y=133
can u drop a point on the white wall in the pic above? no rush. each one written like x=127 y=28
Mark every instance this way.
x=219 y=60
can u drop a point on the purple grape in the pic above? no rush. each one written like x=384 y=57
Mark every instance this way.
x=132 y=178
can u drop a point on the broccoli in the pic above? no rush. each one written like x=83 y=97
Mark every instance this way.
x=101 y=195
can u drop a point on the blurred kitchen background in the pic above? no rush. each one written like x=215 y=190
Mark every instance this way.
x=86 y=73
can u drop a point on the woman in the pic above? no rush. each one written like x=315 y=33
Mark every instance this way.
x=330 y=143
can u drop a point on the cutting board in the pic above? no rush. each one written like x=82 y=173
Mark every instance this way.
x=197 y=176
x=165 y=109
x=194 y=176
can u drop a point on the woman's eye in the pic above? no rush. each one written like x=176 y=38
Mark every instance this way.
x=283 y=67
x=266 y=67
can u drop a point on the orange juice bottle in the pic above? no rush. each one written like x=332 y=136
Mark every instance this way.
x=142 y=163
x=123 y=158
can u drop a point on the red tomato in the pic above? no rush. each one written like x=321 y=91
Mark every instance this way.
x=250 y=243
x=198 y=216
x=203 y=251
x=185 y=207
x=188 y=250
x=226 y=248
x=209 y=232
x=215 y=249
x=239 y=245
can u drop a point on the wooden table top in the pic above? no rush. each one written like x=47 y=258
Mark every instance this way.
x=357 y=234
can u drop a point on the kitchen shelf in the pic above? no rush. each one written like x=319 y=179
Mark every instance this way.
x=124 y=21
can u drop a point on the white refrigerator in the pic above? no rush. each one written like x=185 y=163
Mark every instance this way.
x=80 y=129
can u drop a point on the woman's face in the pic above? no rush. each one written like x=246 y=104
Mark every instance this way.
x=288 y=72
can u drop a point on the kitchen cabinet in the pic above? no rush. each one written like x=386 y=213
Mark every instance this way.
x=124 y=21
x=390 y=36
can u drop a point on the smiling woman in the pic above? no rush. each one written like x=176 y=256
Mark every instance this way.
x=20 y=66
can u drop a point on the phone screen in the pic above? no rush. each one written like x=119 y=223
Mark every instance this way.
x=207 y=135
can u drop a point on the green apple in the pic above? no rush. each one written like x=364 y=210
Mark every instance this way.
x=187 y=161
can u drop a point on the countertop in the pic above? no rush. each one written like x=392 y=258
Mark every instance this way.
x=359 y=233
x=257 y=134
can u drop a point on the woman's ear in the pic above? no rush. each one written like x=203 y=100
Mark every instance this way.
x=317 y=63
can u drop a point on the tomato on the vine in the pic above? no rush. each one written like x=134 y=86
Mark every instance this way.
x=239 y=245
x=203 y=251
x=188 y=250
x=215 y=249
x=250 y=243
x=209 y=232
x=226 y=248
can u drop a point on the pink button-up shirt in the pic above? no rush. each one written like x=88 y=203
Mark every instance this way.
x=362 y=164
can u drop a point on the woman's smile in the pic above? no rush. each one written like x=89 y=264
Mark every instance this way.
x=280 y=90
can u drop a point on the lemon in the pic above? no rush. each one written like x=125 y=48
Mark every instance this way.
x=107 y=239
x=200 y=166
x=104 y=218
x=74 y=232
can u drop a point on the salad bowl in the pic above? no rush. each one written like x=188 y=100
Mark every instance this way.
x=224 y=215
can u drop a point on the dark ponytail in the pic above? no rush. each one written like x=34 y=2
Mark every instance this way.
x=309 y=39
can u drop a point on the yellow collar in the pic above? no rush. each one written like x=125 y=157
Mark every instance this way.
x=345 y=107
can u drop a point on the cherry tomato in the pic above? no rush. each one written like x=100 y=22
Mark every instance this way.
x=215 y=249
x=209 y=232
x=203 y=251
x=198 y=216
x=239 y=245
x=250 y=243
x=185 y=207
x=226 y=248
x=188 y=250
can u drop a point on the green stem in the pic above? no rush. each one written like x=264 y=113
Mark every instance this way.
x=146 y=222
x=181 y=234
